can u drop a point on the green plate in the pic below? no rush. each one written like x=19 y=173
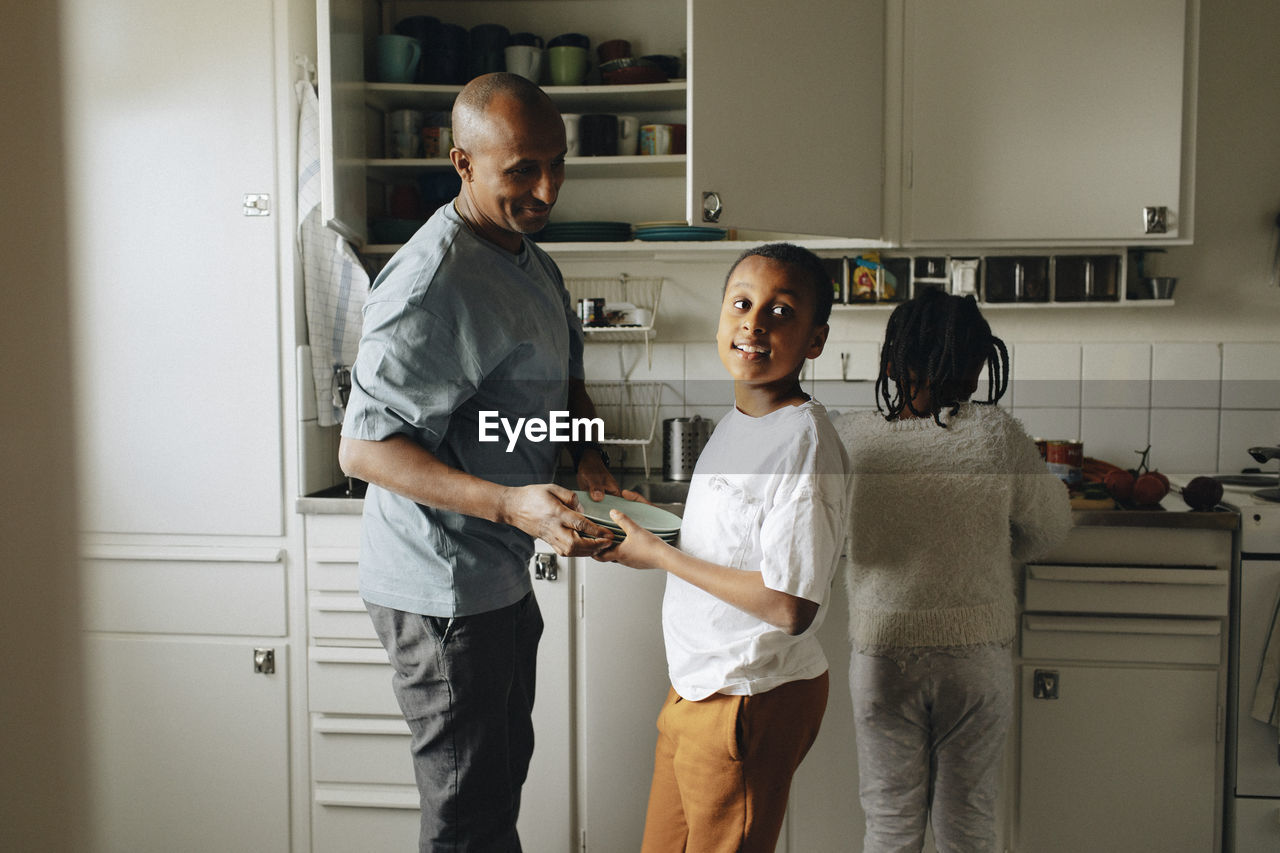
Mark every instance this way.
x=651 y=518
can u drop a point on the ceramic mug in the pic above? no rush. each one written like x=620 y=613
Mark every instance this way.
x=568 y=64
x=406 y=130
x=436 y=141
x=656 y=139
x=525 y=60
x=397 y=58
x=598 y=135
x=628 y=135
x=571 y=121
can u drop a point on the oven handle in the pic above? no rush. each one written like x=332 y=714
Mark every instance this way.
x=1124 y=625
x=1127 y=574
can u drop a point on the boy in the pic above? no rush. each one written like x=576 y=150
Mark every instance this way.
x=761 y=537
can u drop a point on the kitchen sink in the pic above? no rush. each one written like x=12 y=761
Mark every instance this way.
x=668 y=494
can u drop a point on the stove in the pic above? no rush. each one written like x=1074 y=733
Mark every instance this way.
x=1253 y=761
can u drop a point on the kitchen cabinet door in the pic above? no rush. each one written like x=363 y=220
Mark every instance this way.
x=188 y=747
x=340 y=26
x=176 y=297
x=786 y=115
x=1046 y=121
x=546 y=803
x=622 y=682
x=1124 y=759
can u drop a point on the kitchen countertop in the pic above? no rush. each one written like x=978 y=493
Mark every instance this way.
x=1173 y=513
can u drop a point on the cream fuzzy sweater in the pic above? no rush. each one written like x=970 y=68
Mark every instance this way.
x=940 y=521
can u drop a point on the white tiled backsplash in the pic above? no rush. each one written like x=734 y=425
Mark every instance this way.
x=1199 y=405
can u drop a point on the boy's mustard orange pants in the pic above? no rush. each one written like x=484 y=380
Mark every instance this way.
x=723 y=767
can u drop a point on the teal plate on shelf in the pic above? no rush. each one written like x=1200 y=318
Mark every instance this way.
x=680 y=233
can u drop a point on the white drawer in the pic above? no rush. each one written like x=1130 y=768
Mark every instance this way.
x=333 y=569
x=1122 y=639
x=339 y=617
x=373 y=820
x=333 y=530
x=1193 y=591
x=350 y=681
x=360 y=750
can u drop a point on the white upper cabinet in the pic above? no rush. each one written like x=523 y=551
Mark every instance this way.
x=786 y=115
x=340 y=29
x=176 y=310
x=1039 y=121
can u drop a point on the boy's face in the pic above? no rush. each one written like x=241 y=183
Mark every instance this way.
x=766 y=323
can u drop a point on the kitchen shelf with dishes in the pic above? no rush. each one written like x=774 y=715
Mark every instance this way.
x=638 y=97
x=1014 y=279
x=617 y=166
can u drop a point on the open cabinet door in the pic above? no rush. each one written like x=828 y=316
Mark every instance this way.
x=786 y=111
x=342 y=140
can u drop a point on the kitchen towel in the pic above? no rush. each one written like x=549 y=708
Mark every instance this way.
x=1266 y=695
x=334 y=281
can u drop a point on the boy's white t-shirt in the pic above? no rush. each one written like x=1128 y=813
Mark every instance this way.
x=769 y=495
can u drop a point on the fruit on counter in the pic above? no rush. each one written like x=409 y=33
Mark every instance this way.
x=1149 y=489
x=1119 y=484
x=1095 y=470
x=1202 y=493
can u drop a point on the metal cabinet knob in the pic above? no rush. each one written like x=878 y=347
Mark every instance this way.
x=1155 y=220
x=711 y=207
x=545 y=567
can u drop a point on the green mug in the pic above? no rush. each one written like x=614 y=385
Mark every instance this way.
x=398 y=58
x=567 y=64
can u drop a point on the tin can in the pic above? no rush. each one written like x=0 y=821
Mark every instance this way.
x=591 y=311
x=1066 y=459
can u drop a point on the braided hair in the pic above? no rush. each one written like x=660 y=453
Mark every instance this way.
x=938 y=343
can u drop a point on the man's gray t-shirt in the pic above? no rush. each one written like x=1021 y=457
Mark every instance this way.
x=455 y=326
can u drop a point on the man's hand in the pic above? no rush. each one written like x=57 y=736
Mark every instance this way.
x=596 y=480
x=552 y=513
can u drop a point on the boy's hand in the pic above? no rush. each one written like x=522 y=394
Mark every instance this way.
x=640 y=550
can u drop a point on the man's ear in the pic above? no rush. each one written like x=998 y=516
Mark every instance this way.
x=461 y=163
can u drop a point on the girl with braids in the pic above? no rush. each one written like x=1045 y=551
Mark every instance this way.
x=948 y=495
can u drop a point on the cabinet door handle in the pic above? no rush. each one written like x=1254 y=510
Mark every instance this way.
x=545 y=567
x=711 y=207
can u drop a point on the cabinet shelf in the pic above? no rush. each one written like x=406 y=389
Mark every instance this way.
x=886 y=307
x=634 y=166
x=640 y=97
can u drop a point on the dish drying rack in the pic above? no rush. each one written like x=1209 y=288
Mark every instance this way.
x=643 y=293
x=629 y=411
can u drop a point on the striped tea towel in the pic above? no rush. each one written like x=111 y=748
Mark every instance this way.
x=334 y=281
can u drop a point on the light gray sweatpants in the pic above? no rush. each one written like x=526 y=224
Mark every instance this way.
x=931 y=727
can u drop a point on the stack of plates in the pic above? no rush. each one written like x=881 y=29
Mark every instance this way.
x=585 y=232
x=673 y=231
x=665 y=525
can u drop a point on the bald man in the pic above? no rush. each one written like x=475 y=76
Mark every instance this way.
x=468 y=322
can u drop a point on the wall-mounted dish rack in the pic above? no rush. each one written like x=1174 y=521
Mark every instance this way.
x=629 y=411
x=643 y=293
